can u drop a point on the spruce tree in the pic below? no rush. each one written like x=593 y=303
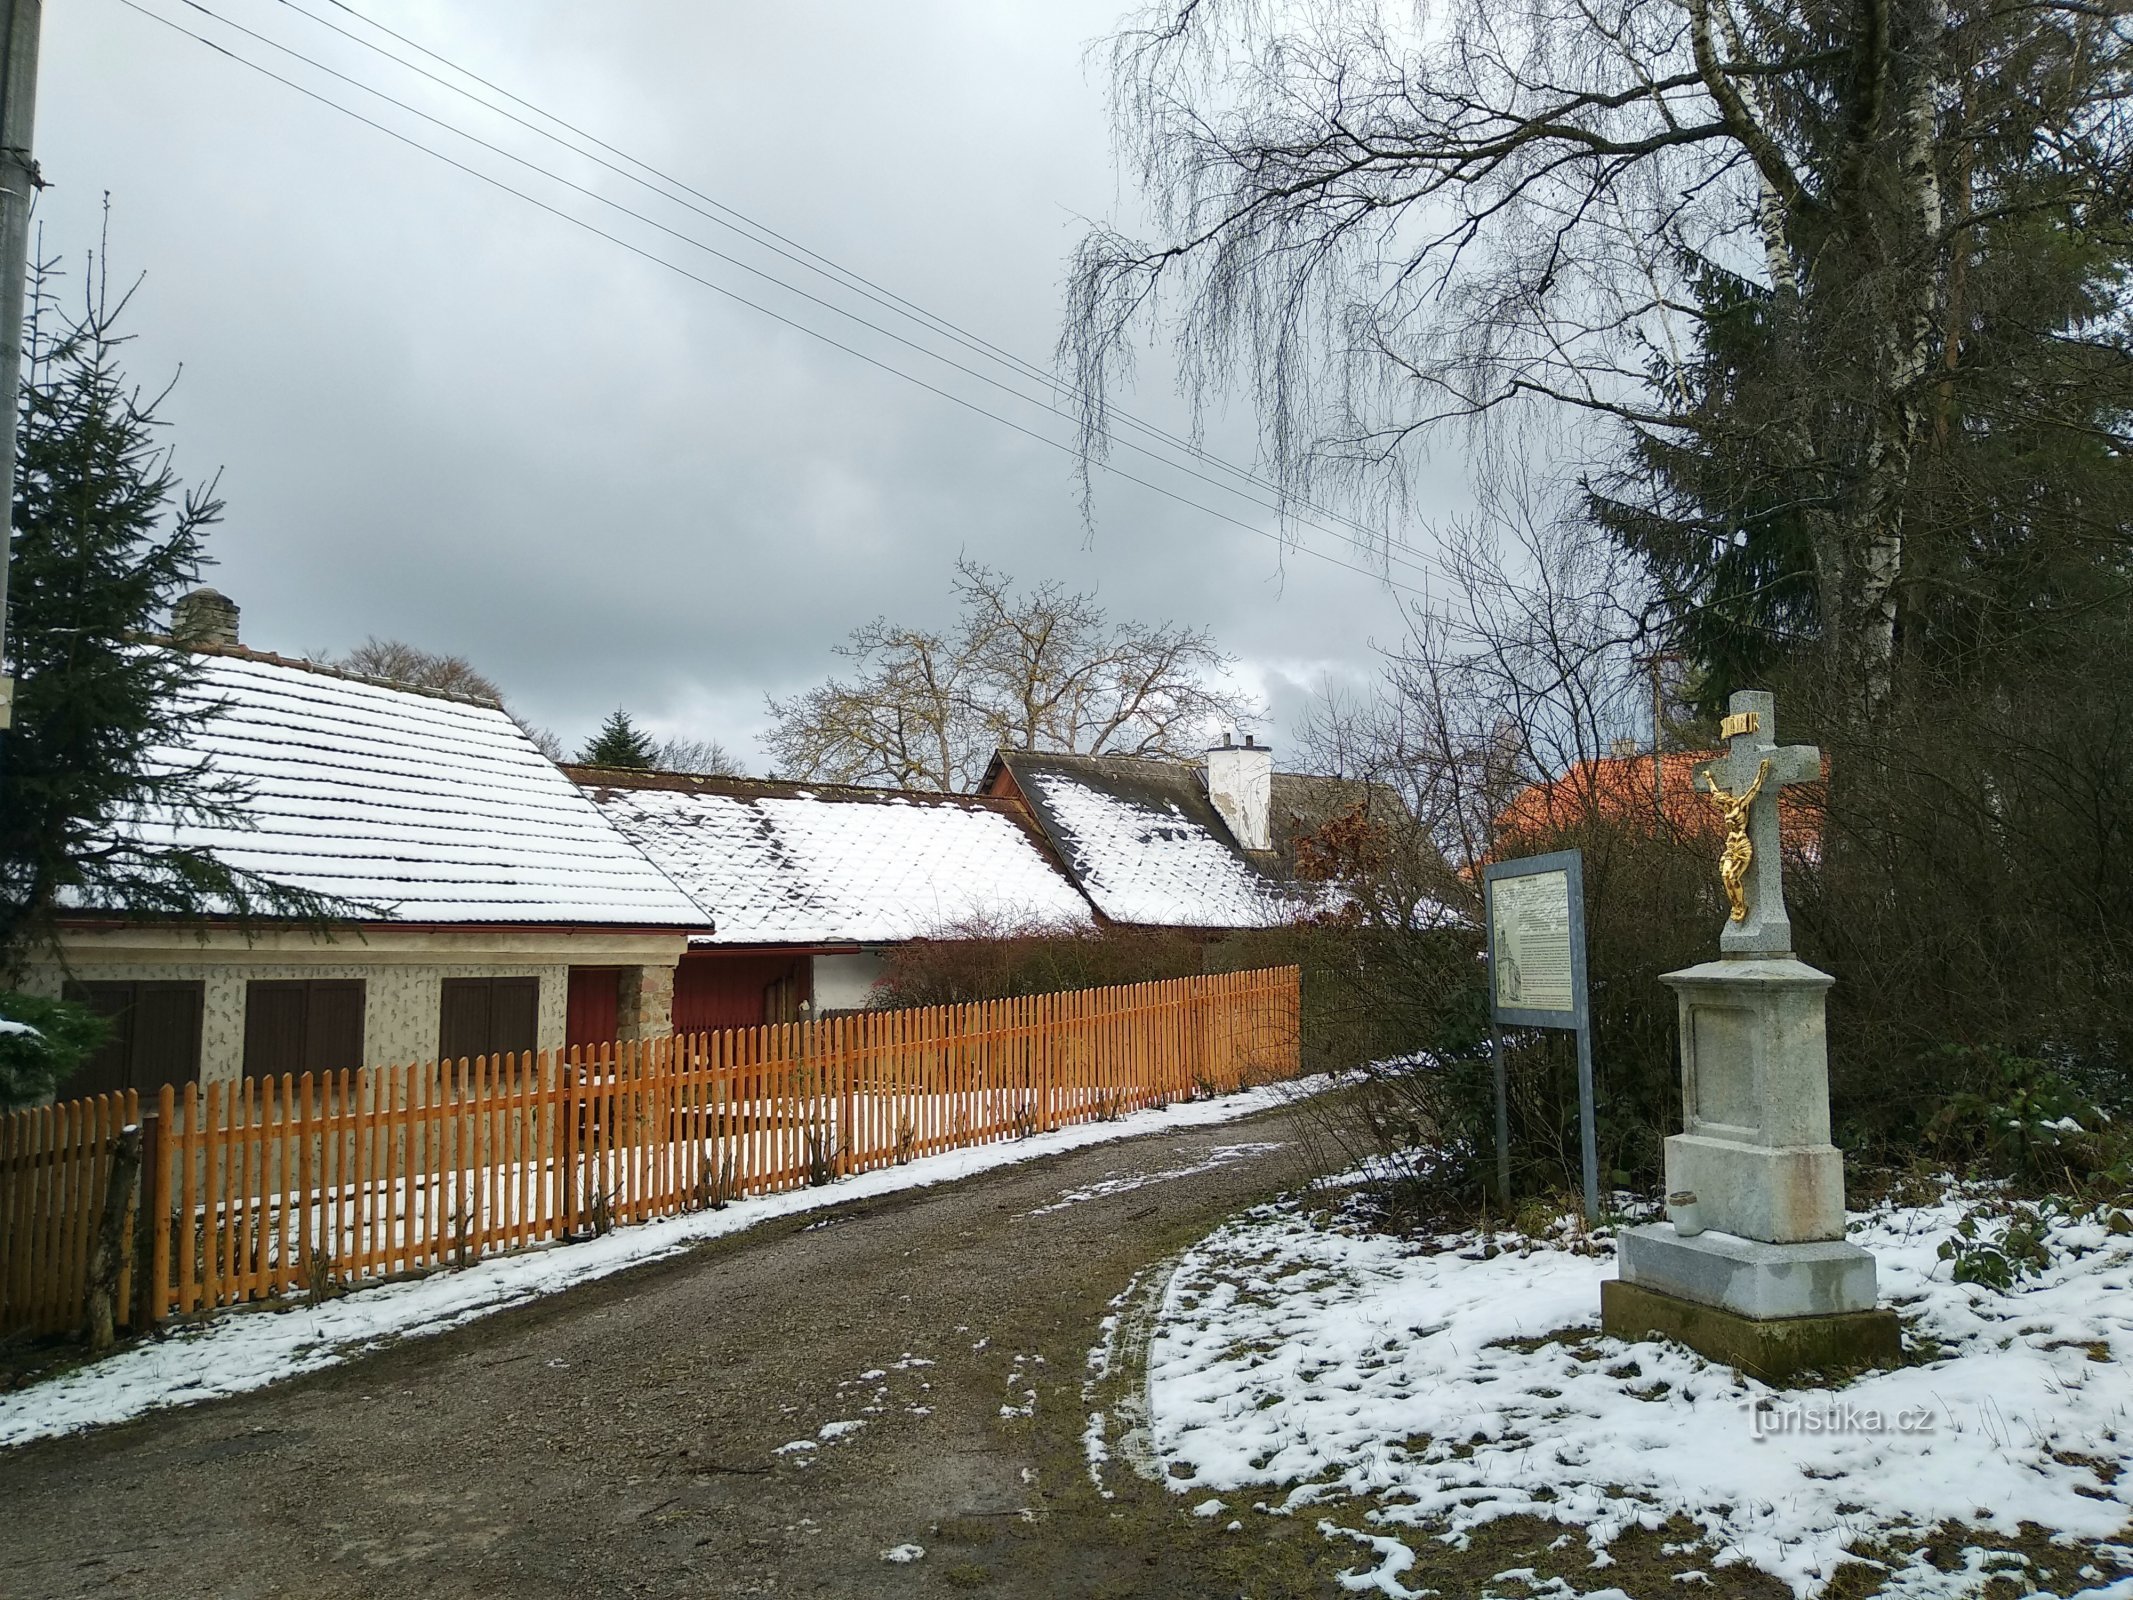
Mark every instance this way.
x=105 y=537
x=619 y=743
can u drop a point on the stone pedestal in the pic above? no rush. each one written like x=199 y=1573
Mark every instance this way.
x=1774 y=1349
x=1755 y=1144
x=1749 y=1277
x=1770 y=1286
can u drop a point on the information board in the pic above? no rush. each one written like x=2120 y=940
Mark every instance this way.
x=1530 y=921
x=1535 y=910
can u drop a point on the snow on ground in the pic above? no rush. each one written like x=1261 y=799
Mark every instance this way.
x=1303 y=1363
x=245 y=1350
x=1127 y=1182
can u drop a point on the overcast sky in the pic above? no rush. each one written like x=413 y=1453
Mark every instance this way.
x=446 y=416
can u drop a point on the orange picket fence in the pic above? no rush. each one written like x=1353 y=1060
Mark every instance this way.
x=305 y=1185
x=55 y=1163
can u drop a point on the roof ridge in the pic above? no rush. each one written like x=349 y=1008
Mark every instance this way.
x=324 y=669
x=1188 y=763
x=744 y=787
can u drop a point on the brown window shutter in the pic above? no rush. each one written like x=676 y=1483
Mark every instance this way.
x=488 y=1016
x=463 y=1018
x=166 y=1034
x=334 y=1039
x=274 y=1017
x=111 y=1068
x=515 y=1015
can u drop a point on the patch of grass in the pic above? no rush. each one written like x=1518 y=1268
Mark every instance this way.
x=2006 y=1568
x=967 y=1575
x=27 y=1358
x=2094 y=1349
x=2106 y=1471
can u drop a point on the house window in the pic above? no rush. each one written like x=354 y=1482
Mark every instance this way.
x=302 y=1025
x=155 y=1036
x=487 y=1017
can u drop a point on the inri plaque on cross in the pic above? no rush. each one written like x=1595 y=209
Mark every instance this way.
x=1744 y=786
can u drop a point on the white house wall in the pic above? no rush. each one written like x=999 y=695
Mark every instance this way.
x=845 y=982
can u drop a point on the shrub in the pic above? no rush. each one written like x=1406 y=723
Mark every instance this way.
x=2020 y=1248
x=971 y=962
x=2016 y=1117
x=51 y=1040
x=1423 y=1119
x=1366 y=993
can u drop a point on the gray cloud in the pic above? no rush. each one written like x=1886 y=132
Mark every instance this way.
x=446 y=416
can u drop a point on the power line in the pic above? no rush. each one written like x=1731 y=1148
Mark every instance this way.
x=759 y=233
x=1362 y=548
x=720 y=289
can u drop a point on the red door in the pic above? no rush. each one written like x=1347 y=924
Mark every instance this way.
x=594 y=1016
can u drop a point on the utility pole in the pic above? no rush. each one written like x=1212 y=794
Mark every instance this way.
x=19 y=22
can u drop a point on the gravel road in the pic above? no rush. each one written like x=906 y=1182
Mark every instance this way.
x=768 y=1414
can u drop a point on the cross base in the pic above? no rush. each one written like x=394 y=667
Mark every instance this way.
x=1774 y=1350
x=1747 y=1276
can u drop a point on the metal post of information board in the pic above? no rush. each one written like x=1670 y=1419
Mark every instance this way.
x=1588 y=1139
x=1503 y=1120
x=1535 y=909
x=1588 y=1118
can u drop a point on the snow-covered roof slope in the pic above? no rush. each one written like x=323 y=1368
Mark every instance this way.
x=792 y=864
x=427 y=807
x=1144 y=843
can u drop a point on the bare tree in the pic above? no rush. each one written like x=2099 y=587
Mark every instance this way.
x=705 y=758
x=1041 y=670
x=424 y=669
x=400 y=662
x=1518 y=214
x=1527 y=669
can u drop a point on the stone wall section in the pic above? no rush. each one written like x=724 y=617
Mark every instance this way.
x=646 y=1009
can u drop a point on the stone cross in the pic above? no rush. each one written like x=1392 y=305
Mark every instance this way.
x=1754 y=763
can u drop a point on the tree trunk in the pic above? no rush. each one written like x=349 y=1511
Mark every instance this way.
x=121 y=1189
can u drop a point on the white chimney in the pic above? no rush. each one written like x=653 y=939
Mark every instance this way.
x=1240 y=785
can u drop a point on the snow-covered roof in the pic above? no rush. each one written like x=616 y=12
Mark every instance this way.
x=1146 y=846
x=798 y=864
x=429 y=807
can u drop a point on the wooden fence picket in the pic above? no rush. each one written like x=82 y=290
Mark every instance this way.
x=268 y=1187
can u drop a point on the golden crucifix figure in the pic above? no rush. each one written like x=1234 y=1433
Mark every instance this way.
x=1739 y=853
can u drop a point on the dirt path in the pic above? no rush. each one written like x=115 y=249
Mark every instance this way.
x=641 y=1435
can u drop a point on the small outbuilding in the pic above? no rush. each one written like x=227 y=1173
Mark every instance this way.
x=812 y=882
x=488 y=904
x=1209 y=844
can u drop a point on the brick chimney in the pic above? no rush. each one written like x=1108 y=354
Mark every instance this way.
x=1240 y=785
x=204 y=616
